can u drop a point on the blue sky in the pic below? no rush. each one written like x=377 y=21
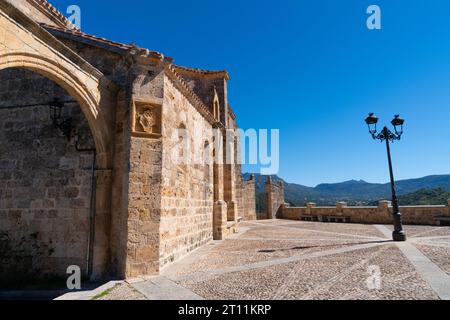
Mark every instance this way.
x=313 y=70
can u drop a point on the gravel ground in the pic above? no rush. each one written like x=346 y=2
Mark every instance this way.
x=336 y=277
x=297 y=260
x=239 y=252
x=123 y=291
x=282 y=233
x=350 y=229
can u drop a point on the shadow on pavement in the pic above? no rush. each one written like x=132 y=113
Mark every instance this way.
x=43 y=294
x=323 y=246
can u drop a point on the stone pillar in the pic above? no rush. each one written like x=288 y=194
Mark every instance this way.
x=220 y=209
x=232 y=212
x=309 y=207
x=448 y=206
x=219 y=220
x=229 y=188
x=340 y=206
x=384 y=205
x=384 y=210
x=102 y=223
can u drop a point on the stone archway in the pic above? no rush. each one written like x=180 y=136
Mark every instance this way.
x=24 y=44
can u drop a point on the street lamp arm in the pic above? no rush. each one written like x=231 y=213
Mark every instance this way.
x=386 y=134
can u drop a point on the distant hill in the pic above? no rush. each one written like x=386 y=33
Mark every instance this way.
x=424 y=197
x=354 y=192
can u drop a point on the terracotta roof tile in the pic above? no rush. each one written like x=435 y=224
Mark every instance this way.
x=201 y=72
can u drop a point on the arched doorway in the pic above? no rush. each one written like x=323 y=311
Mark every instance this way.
x=47 y=199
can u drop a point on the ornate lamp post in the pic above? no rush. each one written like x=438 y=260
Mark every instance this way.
x=389 y=136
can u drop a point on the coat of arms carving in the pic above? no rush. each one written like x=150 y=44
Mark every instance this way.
x=147 y=120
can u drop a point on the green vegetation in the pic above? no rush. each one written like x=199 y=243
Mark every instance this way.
x=104 y=293
x=437 y=196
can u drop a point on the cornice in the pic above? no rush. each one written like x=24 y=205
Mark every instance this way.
x=52 y=13
x=182 y=85
x=202 y=73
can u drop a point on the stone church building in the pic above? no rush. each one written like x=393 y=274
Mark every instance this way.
x=92 y=133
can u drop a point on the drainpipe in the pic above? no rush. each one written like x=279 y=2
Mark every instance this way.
x=91 y=236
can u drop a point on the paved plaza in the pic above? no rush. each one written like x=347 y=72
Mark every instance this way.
x=280 y=259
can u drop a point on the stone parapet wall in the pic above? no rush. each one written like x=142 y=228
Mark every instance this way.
x=414 y=215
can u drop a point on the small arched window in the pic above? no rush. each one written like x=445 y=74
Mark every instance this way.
x=216 y=106
x=216 y=110
x=207 y=159
x=182 y=136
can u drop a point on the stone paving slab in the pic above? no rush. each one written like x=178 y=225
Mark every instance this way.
x=439 y=255
x=89 y=294
x=430 y=272
x=161 y=288
x=435 y=277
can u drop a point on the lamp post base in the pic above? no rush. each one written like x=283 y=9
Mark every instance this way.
x=399 y=236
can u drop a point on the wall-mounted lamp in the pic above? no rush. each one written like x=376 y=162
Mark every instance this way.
x=63 y=124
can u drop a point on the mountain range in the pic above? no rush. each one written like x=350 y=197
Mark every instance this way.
x=355 y=192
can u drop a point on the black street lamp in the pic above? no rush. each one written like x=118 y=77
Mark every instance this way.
x=389 y=136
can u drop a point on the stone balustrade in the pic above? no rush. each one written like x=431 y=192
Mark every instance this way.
x=413 y=215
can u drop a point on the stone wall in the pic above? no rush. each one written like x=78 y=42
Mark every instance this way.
x=45 y=184
x=249 y=196
x=274 y=198
x=149 y=211
x=414 y=215
x=187 y=184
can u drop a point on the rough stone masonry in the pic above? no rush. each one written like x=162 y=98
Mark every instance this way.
x=90 y=179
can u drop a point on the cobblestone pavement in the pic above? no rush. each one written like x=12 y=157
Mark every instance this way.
x=280 y=259
x=123 y=291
